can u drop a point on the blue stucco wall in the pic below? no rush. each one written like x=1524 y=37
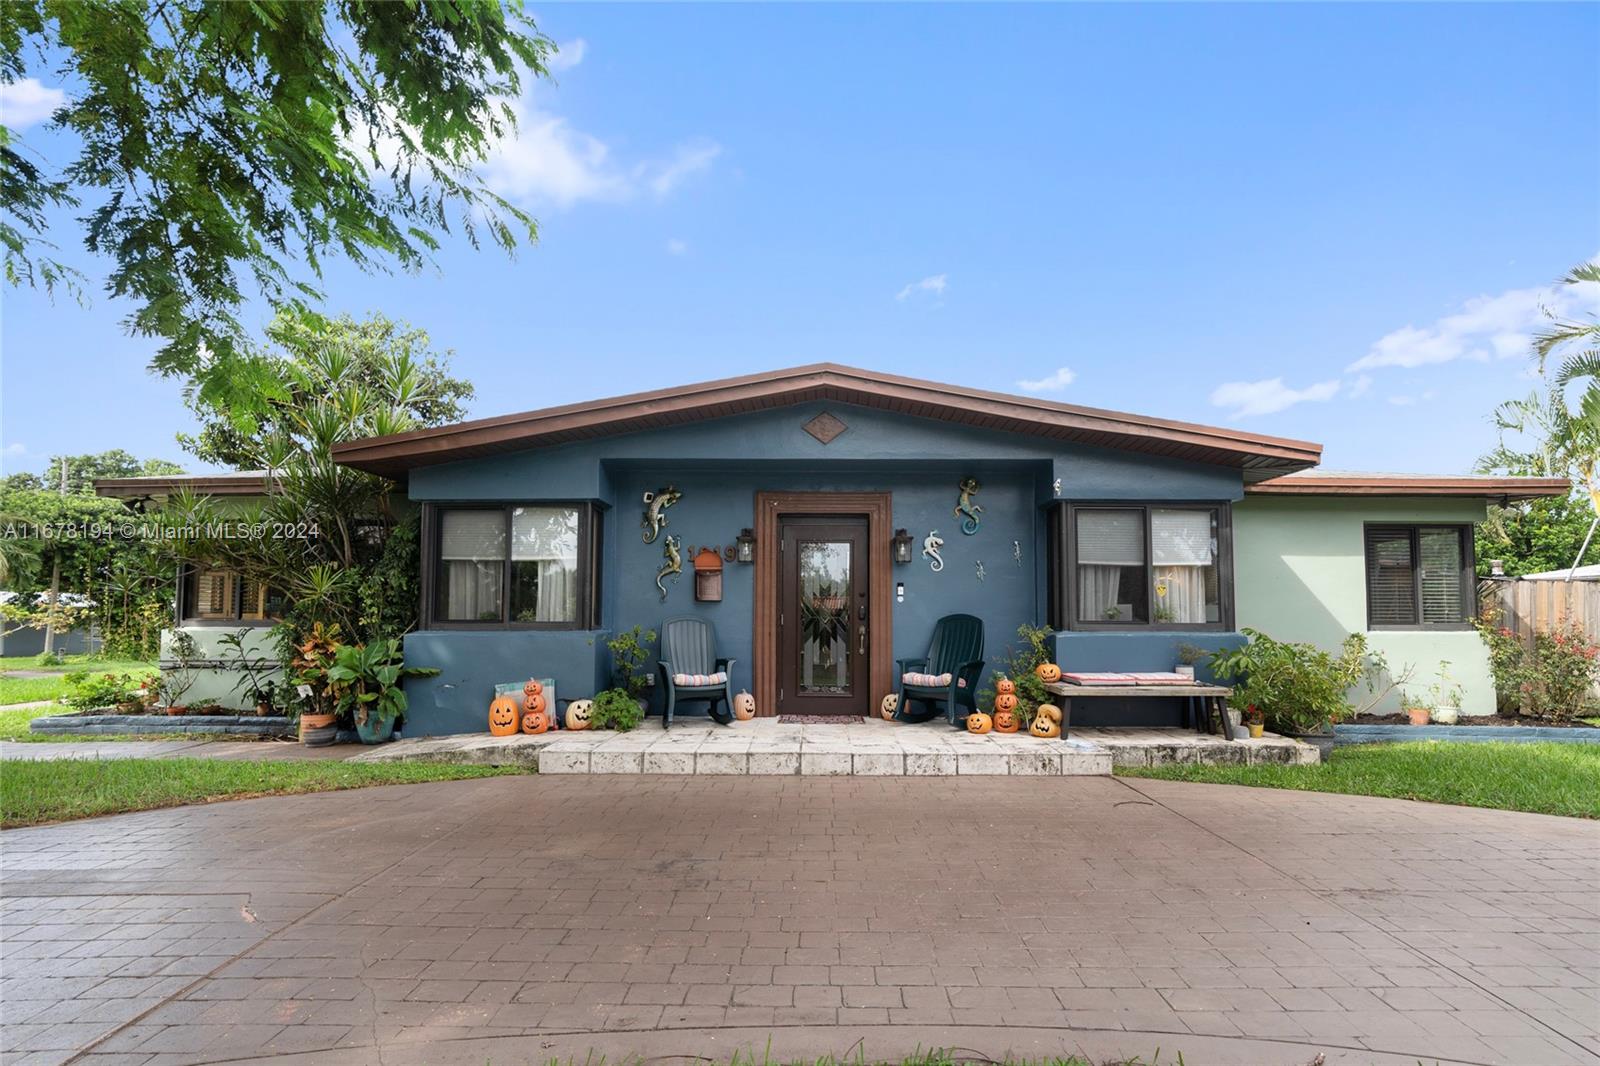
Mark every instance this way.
x=719 y=465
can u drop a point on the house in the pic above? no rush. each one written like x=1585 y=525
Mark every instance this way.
x=843 y=512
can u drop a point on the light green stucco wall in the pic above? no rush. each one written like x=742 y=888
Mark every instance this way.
x=215 y=681
x=1300 y=574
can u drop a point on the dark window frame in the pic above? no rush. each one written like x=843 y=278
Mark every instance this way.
x=591 y=526
x=1468 y=576
x=188 y=600
x=1063 y=565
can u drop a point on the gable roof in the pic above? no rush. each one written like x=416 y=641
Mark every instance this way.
x=1258 y=456
x=1346 y=483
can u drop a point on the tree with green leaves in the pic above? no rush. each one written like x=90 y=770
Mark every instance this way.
x=1552 y=433
x=83 y=470
x=225 y=150
x=334 y=381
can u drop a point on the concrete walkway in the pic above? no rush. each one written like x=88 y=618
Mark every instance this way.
x=530 y=918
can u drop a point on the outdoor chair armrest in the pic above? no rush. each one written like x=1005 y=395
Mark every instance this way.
x=903 y=666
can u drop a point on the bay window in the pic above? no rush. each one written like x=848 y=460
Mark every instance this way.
x=1153 y=565
x=521 y=564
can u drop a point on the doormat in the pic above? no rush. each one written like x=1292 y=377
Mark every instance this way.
x=819 y=719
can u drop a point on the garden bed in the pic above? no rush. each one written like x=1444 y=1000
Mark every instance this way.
x=243 y=725
x=1474 y=720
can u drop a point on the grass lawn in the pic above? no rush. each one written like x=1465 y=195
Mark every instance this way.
x=1544 y=778
x=35 y=792
x=15 y=690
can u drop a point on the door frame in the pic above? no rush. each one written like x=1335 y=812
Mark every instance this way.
x=769 y=506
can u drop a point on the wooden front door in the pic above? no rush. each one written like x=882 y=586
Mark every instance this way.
x=824 y=615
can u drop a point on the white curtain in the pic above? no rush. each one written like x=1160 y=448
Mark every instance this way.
x=472 y=551
x=1184 y=549
x=1107 y=542
x=545 y=541
x=1097 y=591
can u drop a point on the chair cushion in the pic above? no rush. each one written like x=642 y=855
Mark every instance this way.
x=931 y=680
x=700 y=680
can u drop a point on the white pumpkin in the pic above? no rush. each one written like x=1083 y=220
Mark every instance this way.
x=744 y=706
x=578 y=714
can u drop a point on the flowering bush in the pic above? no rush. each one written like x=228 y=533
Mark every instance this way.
x=1553 y=679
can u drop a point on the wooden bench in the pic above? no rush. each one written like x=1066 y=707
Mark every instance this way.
x=1210 y=700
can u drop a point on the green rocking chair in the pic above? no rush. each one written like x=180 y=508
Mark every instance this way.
x=947 y=676
x=691 y=671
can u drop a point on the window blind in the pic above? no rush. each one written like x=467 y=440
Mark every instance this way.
x=479 y=536
x=1440 y=550
x=1182 y=538
x=1391 y=589
x=1111 y=538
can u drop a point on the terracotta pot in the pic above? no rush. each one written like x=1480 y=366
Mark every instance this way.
x=317 y=729
x=1419 y=715
x=1256 y=729
x=263 y=709
x=180 y=709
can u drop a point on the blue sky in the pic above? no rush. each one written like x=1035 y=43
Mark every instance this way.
x=1333 y=223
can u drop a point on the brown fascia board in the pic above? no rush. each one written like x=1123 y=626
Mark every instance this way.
x=1498 y=488
x=1259 y=456
x=133 y=488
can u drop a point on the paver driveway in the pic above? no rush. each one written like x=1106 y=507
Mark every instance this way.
x=517 y=919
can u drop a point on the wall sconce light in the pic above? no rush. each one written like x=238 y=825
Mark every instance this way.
x=902 y=547
x=746 y=545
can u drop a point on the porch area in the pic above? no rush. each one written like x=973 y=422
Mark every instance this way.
x=863 y=747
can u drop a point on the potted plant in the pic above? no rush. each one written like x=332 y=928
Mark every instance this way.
x=1301 y=689
x=178 y=679
x=366 y=679
x=629 y=651
x=1418 y=709
x=313 y=657
x=1446 y=697
x=1189 y=655
x=1255 y=721
x=257 y=685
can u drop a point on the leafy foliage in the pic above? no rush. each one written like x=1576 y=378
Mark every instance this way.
x=1553 y=678
x=1299 y=687
x=127 y=691
x=1017 y=663
x=630 y=649
x=616 y=709
x=225 y=141
x=1534 y=536
x=82 y=470
x=366 y=681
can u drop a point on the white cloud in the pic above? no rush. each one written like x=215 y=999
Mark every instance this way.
x=25 y=102
x=1268 y=396
x=1359 y=386
x=1486 y=327
x=1052 y=383
x=568 y=55
x=687 y=160
x=13 y=449
x=935 y=284
x=1411 y=401
x=677 y=247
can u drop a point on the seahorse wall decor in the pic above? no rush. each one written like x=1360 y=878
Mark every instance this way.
x=966 y=509
x=655 y=511
x=930 y=548
x=673 y=565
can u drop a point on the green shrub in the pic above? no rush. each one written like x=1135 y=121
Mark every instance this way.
x=629 y=651
x=89 y=691
x=615 y=709
x=1551 y=680
x=1018 y=663
x=1299 y=687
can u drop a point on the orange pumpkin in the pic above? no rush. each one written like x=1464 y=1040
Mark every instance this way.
x=1005 y=686
x=978 y=722
x=1046 y=722
x=1006 y=721
x=535 y=702
x=1006 y=701
x=533 y=688
x=1049 y=673
x=502 y=716
x=535 y=721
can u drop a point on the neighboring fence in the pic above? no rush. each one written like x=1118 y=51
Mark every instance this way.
x=1529 y=607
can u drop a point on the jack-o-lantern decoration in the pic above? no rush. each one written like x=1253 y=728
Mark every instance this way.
x=1006 y=721
x=744 y=706
x=978 y=722
x=578 y=712
x=1005 y=701
x=1049 y=673
x=503 y=713
x=1004 y=686
x=535 y=721
x=890 y=704
x=1046 y=722
x=533 y=687
x=534 y=702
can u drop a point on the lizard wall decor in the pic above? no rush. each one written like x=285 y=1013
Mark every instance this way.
x=655 y=512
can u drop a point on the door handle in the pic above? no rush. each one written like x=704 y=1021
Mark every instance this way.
x=861 y=640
